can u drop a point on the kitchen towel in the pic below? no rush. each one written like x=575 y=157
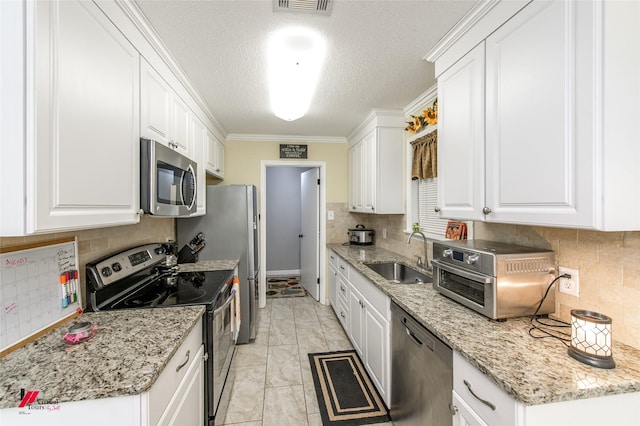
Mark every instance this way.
x=235 y=307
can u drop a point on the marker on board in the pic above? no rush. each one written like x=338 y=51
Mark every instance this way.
x=63 y=283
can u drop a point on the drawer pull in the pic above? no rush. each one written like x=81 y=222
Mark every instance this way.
x=342 y=289
x=178 y=368
x=484 y=401
x=342 y=314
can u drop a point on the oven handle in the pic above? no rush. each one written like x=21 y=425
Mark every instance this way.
x=465 y=274
x=225 y=304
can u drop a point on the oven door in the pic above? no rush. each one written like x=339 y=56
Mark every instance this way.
x=223 y=351
x=471 y=289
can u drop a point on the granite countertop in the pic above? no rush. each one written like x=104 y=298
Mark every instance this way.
x=125 y=357
x=533 y=371
x=208 y=265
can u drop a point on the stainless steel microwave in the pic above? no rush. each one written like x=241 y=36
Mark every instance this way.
x=168 y=181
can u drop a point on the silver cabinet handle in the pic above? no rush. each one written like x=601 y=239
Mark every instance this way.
x=342 y=314
x=178 y=368
x=484 y=401
x=453 y=409
x=486 y=210
x=342 y=289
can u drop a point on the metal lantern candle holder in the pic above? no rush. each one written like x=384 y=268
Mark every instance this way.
x=591 y=339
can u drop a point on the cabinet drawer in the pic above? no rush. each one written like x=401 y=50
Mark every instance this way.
x=504 y=411
x=343 y=289
x=163 y=389
x=333 y=258
x=343 y=267
x=374 y=296
x=343 y=313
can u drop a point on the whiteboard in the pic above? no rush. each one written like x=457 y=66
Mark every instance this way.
x=31 y=295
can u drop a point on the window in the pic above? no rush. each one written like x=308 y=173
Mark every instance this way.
x=429 y=221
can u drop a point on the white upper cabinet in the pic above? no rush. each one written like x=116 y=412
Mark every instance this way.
x=461 y=147
x=79 y=167
x=547 y=144
x=165 y=117
x=215 y=156
x=376 y=164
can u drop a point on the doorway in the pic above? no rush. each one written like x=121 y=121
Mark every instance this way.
x=305 y=171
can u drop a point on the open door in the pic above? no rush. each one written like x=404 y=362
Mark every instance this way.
x=310 y=232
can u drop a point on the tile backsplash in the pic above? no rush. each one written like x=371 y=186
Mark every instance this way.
x=608 y=262
x=95 y=243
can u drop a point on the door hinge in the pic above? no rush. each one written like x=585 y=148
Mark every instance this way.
x=318 y=181
x=318 y=280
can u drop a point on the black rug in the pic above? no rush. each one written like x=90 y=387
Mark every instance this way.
x=346 y=395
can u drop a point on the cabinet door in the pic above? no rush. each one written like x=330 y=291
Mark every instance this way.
x=376 y=352
x=461 y=138
x=87 y=121
x=198 y=138
x=215 y=156
x=155 y=104
x=369 y=172
x=539 y=160
x=187 y=405
x=355 y=177
x=464 y=415
x=180 y=126
x=220 y=156
x=356 y=318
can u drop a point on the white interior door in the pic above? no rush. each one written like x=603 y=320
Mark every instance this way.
x=310 y=232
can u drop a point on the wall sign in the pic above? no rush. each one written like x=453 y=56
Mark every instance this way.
x=293 y=151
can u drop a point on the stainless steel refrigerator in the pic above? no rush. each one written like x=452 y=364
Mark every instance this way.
x=230 y=229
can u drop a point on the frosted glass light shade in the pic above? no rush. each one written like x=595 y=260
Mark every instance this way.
x=591 y=339
x=295 y=59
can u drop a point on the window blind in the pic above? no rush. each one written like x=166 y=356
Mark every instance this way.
x=428 y=219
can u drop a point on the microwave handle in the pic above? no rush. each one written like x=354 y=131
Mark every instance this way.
x=465 y=274
x=195 y=185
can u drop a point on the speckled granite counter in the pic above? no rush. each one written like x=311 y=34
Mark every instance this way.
x=533 y=371
x=125 y=357
x=208 y=265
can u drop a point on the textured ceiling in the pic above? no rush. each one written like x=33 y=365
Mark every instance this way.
x=374 y=57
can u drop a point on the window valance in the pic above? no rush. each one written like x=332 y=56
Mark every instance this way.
x=425 y=157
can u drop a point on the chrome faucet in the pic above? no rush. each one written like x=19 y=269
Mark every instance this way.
x=419 y=263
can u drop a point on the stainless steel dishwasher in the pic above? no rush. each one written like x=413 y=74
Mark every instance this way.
x=421 y=374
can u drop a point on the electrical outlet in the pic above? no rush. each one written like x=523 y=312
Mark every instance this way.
x=384 y=233
x=569 y=285
x=330 y=215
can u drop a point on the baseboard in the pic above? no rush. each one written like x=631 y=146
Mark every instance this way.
x=283 y=273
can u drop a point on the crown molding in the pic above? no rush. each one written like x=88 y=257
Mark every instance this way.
x=248 y=137
x=382 y=117
x=422 y=101
x=461 y=28
x=142 y=24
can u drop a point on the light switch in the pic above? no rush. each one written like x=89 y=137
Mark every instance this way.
x=330 y=215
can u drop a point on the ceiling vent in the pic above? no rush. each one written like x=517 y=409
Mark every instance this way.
x=316 y=7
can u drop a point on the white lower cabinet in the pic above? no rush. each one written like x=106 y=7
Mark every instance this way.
x=478 y=401
x=365 y=314
x=333 y=280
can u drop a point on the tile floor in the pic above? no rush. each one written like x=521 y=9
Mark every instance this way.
x=273 y=385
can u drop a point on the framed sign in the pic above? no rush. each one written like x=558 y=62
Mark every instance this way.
x=293 y=151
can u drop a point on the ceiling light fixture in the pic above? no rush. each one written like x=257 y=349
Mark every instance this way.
x=295 y=57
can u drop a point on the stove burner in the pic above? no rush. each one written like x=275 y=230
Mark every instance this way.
x=145 y=299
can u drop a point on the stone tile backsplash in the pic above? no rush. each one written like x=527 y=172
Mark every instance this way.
x=609 y=262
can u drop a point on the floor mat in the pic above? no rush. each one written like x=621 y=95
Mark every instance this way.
x=285 y=287
x=346 y=395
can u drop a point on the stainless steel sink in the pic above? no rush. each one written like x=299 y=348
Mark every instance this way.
x=398 y=273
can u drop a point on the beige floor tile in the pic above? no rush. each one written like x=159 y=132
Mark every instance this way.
x=311 y=399
x=314 y=419
x=339 y=345
x=283 y=366
x=251 y=354
x=246 y=405
x=282 y=333
x=284 y=406
x=258 y=423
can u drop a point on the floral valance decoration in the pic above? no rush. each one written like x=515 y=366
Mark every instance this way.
x=428 y=117
x=425 y=157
